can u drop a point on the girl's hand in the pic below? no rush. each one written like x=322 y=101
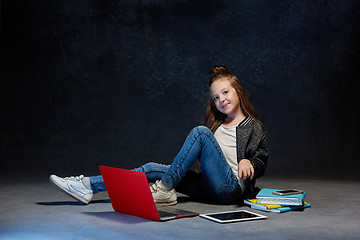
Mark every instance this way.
x=246 y=169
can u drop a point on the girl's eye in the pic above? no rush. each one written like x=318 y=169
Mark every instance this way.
x=225 y=92
x=215 y=99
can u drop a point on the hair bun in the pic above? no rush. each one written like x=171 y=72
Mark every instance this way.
x=218 y=70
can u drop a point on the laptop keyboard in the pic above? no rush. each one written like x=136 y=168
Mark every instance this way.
x=166 y=214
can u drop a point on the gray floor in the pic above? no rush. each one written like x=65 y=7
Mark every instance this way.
x=34 y=209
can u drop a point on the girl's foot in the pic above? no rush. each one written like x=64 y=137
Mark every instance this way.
x=161 y=196
x=74 y=186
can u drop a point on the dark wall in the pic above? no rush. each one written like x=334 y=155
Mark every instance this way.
x=121 y=83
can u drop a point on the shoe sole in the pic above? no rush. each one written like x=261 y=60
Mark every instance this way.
x=166 y=203
x=73 y=195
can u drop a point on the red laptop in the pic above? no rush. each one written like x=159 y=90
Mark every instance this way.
x=129 y=193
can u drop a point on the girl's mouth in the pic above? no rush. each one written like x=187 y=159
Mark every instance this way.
x=224 y=106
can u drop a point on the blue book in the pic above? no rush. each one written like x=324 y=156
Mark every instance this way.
x=266 y=196
x=274 y=208
x=282 y=209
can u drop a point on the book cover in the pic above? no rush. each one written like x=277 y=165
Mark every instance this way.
x=266 y=196
x=274 y=208
x=253 y=202
x=284 y=209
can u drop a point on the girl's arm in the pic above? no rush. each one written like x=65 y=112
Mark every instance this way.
x=259 y=159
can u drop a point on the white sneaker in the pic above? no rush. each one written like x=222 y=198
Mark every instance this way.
x=161 y=196
x=73 y=186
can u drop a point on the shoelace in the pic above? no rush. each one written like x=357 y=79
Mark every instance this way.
x=155 y=187
x=77 y=178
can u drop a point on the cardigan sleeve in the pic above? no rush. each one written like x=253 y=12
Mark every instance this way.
x=259 y=156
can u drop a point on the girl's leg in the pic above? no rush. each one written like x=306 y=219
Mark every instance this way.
x=153 y=172
x=97 y=184
x=218 y=181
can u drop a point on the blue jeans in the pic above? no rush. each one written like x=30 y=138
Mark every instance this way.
x=216 y=182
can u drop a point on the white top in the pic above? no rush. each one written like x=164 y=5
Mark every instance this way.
x=226 y=137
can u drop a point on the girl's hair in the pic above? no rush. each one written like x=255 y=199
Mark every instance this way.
x=214 y=117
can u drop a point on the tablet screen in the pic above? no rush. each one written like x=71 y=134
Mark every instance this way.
x=233 y=216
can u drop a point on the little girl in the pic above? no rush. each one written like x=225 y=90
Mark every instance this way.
x=232 y=151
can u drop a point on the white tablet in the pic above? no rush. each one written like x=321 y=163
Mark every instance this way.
x=232 y=216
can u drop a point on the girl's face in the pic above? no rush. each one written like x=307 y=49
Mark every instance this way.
x=225 y=97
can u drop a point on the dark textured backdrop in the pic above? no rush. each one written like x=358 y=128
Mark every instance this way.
x=121 y=83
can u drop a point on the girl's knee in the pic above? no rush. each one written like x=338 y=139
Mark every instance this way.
x=148 y=165
x=154 y=167
x=202 y=130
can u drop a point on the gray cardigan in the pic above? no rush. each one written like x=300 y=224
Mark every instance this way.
x=251 y=144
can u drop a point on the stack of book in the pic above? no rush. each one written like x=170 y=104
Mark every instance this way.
x=269 y=202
